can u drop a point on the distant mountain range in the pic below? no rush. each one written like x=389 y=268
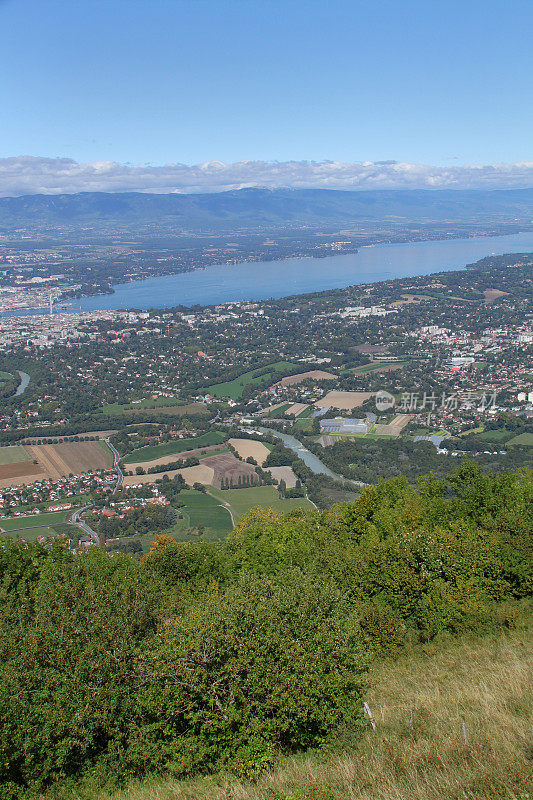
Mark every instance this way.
x=253 y=209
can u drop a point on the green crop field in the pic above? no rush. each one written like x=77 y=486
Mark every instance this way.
x=378 y=366
x=304 y=423
x=169 y=448
x=279 y=412
x=203 y=509
x=233 y=389
x=33 y=521
x=523 y=439
x=32 y=534
x=118 y=408
x=14 y=455
x=199 y=509
x=242 y=500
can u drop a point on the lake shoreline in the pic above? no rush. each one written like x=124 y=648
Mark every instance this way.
x=229 y=283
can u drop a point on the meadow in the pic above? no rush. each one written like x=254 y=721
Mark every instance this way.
x=31 y=527
x=378 y=366
x=155 y=451
x=233 y=389
x=170 y=406
x=242 y=500
x=198 y=509
x=33 y=520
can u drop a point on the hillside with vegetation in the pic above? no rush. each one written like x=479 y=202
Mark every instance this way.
x=228 y=659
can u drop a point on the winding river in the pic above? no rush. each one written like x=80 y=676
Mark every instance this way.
x=309 y=458
x=24 y=383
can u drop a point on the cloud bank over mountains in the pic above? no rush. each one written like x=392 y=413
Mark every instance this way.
x=25 y=175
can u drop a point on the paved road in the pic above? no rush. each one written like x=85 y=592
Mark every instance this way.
x=76 y=517
x=76 y=520
x=116 y=466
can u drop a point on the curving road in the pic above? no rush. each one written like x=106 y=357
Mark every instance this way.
x=116 y=465
x=77 y=520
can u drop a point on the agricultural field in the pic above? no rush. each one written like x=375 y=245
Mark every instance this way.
x=233 y=389
x=228 y=468
x=277 y=410
x=304 y=423
x=381 y=366
x=31 y=527
x=199 y=509
x=171 y=459
x=191 y=475
x=51 y=461
x=204 y=509
x=500 y=436
x=167 y=406
x=14 y=454
x=251 y=447
x=311 y=375
x=297 y=408
x=344 y=401
x=242 y=500
x=283 y=474
x=212 y=471
x=155 y=451
x=58 y=460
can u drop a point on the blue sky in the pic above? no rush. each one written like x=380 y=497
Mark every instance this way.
x=158 y=81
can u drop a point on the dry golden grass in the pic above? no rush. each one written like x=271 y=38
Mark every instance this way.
x=485 y=684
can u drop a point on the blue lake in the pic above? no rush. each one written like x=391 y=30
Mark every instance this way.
x=273 y=279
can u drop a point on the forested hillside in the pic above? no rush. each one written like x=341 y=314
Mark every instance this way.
x=202 y=657
x=253 y=209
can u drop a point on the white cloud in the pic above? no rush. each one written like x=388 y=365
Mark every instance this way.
x=33 y=175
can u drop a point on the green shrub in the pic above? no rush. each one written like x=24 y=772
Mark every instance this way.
x=270 y=665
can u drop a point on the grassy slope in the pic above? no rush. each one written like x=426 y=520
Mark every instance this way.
x=202 y=509
x=117 y=408
x=484 y=683
x=522 y=438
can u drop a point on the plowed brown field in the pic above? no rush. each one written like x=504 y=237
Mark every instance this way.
x=70 y=457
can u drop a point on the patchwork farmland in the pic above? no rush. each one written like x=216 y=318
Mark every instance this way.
x=214 y=470
x=30 y=463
